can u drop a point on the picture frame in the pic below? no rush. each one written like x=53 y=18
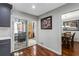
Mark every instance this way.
x=46 y=23
x=72 y=25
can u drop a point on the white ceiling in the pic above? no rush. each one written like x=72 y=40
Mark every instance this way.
x=40 y=9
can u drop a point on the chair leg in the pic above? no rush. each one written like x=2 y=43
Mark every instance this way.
x=72 y=44
x=67 y=44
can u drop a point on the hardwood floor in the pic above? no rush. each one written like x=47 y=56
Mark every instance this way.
x=71 y=51
x=35 y=50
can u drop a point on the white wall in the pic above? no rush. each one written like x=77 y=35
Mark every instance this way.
x=4 y=32
x=52 y=38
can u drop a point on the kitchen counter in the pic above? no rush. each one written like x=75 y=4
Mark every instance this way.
x=5 y=38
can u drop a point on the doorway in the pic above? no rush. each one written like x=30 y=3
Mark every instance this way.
x=70 y=35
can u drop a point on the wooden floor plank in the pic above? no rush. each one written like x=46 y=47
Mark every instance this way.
x=36 y=50
x=71 y=51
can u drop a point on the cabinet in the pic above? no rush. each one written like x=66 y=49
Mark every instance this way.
x=5 y=13
x=5 y=47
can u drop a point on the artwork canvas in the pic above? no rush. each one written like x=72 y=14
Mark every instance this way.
x=46 y=23
x=72 y=25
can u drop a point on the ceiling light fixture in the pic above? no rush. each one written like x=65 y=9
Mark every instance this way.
x=33 y=6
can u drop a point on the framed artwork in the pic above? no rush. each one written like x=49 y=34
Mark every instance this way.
x=72 y=25
x=46 y=23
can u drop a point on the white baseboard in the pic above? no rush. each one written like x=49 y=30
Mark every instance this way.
x=49 y=49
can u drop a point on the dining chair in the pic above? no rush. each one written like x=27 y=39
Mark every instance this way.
x=64 y=43
x=71 y=41
x=65 y=39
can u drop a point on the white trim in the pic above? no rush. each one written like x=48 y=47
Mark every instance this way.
x=5 y=38
x=49 y=49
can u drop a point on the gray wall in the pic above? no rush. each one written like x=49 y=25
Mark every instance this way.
x=52 y=38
